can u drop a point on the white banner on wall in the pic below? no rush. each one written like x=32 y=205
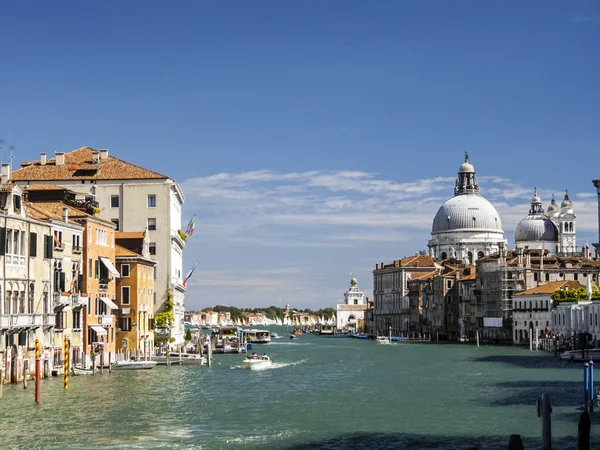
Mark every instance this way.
x=492 y=322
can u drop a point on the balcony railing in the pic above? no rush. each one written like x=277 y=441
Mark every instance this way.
x=106 y=321
x=60 y=246
x=4 y=322
x=59 y=299
x=25 y=320
x=77 y=249
x=49 y=320
x=103 y=285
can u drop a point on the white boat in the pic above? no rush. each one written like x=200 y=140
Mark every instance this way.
x=134 y=365
x=382 y=340
x=575 y=355
x=186 y=359
x=257 y=336
x=256 y=364
x=82 y=371
x=275 y=336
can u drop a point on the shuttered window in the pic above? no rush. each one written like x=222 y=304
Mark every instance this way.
x=32 y=244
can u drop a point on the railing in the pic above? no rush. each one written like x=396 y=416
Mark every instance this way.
x=25 y=320
x=49 y=320
x=59 y=299
x=103 y=285
x=4 y=322
x=59 y=247
x=77 y=249
x=106 y=321
x=78 y=300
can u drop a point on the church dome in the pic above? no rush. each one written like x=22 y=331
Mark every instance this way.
x=536 y=226
x=566 y=203
x=466 y=212
x=552 y=207
x=466 y=167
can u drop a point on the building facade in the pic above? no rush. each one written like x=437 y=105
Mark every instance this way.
x=351 y=314
x=134 y=199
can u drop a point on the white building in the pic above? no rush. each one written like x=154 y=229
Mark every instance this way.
x=467 y=226
x=351 y=314
x=565 y=220
x=135 y=199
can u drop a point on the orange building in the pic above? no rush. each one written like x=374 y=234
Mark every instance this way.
x=99 y=272
x=135 y=297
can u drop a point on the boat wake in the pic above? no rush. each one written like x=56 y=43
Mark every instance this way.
x=273 y=366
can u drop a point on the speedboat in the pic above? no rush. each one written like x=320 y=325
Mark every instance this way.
x=382 y=340
x=82 y=371
x=292 y=336
x=275 y=335
x=256 y=363
x=134 y=365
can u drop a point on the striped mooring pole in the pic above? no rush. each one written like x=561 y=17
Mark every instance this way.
x=38 y=361
x=66 y=359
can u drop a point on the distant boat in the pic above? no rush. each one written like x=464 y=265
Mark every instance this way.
x=256 y=364
x=292 y=336
x=134 y=365
x=82 y=371
x=382 y=340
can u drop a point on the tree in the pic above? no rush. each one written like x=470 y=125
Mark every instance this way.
x=188 y=335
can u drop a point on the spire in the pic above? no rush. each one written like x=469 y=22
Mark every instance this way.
x=466 y=183
x=536 y=204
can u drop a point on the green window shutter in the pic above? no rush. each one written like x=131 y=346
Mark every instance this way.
x=33 y=244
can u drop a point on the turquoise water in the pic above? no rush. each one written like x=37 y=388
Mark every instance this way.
x=322 y=392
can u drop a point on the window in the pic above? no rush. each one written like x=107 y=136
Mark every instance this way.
x=547 y=276
x=535 y=276
x=114 y=201
x=77 y=319
x=32 y=244
x=355 y=301
x=58 y=239
x=575 y=276
x=90 y=268
x=151 y=201
x=152 y=248
x=125 y=270
x=17 y=203
x=125 y=298
x=116 y=222
x=151 y=223
x=101 y=237
x=125 y=323
x=449 y=284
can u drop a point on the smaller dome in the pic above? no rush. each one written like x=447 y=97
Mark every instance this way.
x=536 y=228
x=566 y=203
x=353 y=282
x=466 y=167
x=553 y=206
x=536 y=198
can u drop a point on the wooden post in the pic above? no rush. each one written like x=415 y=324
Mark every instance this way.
x=544 y=410
x=180 y=355
x=93 y=361
x=102 y=361
x=25 y=372
x=209 y=352
x=591 y=392
x=477 y=338
x=586 y=394
x=583 y=431
x=109 y=362
x=38 y=361
x=168 y=357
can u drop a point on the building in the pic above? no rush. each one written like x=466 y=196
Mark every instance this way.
x=467 y=226
x=351 y=314
x=134 y=199
x=537 y=230
x=390 y=292
x=26 y=267
x=135 y=298
x=532 y=309
x=68 y=298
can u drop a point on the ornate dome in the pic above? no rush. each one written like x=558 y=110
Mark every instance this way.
x=552 y=207
x=566 y=203
x=353 y=281
x=536 y=226
x=466 y=212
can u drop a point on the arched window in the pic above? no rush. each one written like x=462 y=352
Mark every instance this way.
x=566 y=226
x=535 y=276
x=596 y=319
x=449 y=299
x=570 y=226
x=444 y=256
x=546 y=305
x=480 y=255
x=470 y=256
x=536 y=304
x=31 y=298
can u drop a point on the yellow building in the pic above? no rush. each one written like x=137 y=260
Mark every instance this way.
x=135 y=297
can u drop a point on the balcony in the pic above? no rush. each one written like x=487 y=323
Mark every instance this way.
x=59 y=299
x=76 y=249
x=4 y=322
x=49 y=320
x=59 y=247
x=105 y=321
x=25 y=321
x=103 y=285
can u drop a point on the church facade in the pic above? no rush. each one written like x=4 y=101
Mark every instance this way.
x=351 y=314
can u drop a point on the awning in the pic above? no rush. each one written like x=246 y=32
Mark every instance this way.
x=111 y=268
x=108 y=302
x=99 y=330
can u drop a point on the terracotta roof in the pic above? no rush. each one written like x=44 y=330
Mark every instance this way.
x=123 y=252
x=45 y=187
x=7 y=187
x=74 y=213
x=410 y=261
x=37 y=212
x=129 y=235
x=425 y=276
x=78 y=166
x=549 y=288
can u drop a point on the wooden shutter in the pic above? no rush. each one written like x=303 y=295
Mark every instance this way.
x=33 y=244
x=2 y=241
x=62 y=282
x=80 y=282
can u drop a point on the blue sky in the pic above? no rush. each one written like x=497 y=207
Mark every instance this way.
x=313 y=138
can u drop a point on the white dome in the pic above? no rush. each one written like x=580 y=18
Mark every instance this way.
x=467 y=212
x=536 y=228
x=466 y=167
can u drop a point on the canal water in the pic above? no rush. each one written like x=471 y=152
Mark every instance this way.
x=321 y=393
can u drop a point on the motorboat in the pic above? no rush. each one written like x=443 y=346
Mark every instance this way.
x=134 y=365
x=82 y=371
x=382 y=340
x=187 y=359
x=256 y=363
x=575 y=355
x=275 y=336
x=292 y=336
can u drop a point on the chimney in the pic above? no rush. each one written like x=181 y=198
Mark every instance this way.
x=5 y=173
x=95 y=157
x=65 y=214
x=60 y=159
x=42 y=159
x=103 y=154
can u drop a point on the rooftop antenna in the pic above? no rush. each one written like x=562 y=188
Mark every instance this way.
x=11 y=148
x=1 y=150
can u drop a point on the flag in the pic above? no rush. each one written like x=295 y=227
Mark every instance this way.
x=190 y=273
x=56 y=240
x=190 y=227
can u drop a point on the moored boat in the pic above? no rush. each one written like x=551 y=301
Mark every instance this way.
x=82 y=371
x=134 y=365
x=382 y=340
x=191 y=359
x=575 y=355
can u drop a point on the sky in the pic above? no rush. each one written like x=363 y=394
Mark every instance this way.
x=313 y=139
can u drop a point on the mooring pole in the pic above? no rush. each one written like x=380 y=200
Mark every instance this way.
x=38 y=362
x=25 y=372
x=544 y=410
x=66 y=364
x=109 y=362
x=591 y=385
x=583 y=431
